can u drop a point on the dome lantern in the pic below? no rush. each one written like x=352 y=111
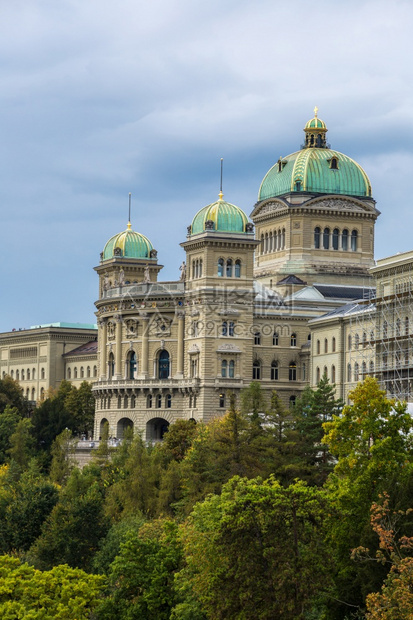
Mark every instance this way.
x=315 y=133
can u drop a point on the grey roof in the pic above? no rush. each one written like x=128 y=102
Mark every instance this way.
x=334 y=291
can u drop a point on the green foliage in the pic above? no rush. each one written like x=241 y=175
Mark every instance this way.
x=256 y=551
x=62 y=452
x=72 y=532
x=253 y=401
x=142 y=575
x=8 y=422
x=109 y=547
x=25 y=503
x=11 y=395
x=63 y=593
x=80 y=403
x=21 y=443
x=178 y=439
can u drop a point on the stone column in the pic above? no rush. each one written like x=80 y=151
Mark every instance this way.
x=180 y=356
x=103 y=324
x=145 y=346
x=118 y=359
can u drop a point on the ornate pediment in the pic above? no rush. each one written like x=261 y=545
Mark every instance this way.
x=272 y=207
x=332 y=203
x=228 y=347
x=194 y=349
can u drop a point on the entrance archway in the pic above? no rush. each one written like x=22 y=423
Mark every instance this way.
x=156 y=429
x=122 y=425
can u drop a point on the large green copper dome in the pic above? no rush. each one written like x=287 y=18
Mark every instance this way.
x=315 y=169
x=129 y=244
x=224 y=216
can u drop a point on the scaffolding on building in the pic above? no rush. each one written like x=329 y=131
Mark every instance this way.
x=381 y=334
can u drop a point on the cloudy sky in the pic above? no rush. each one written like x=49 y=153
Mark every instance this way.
x=101 y=98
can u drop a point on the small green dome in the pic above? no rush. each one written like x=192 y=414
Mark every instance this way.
x=225 y=217
x=315 y=123
x=129 y=243
x=316 y=170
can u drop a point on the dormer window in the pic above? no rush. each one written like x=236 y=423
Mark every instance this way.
x=298 y=186
x=281 y=165
x=334 y=163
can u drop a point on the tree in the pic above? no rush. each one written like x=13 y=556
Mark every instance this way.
x=8 y=422
x=63 y=450
x=256 y=550
x=253 y=401
x=21 y=443
x=63 y=592
x=11 y=395
x=371 y=440
x=142 y=576
x=313 y=462
x=80 y=403
x=395 y=601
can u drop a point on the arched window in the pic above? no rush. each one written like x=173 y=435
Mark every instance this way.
x=335 y=238
x=88 y=372
x=69 y=373
x=356 y=341
x=28 y=374
x=17 y=375
x=119 y=402
x=224 y=328
x=275 y=339
x=274 y=371
x=132 y=402
x=12 y=374
x=304 y=372
x=317 y=234
x=43 y=373
x=349 y=343
x=334 y=163
x=125 y=402
x=231 y=369
x=220 y=267
x=262 y=243
x=348 y=372
x=22 y=375
x=257 y=338
x=158 y=401
x=34 y=374
x=385 y=329
x=333 y=374
x=82 y=372
x=224 y=368
x=41 y=393
x=292 y=371
x=231 y=327
x=201 y=264
x=325 y=372
x=193 y=270
x=354 y=240
x=163 y=365
x=229 y=268
x=222 y=401
x=406 y=326
x=131 y=365
x=356 y=372
x=279 y=239
x=149 y=401
x=317 y=375
x=398 y=325
x=318 y=347
x=168 y=401
x=333 y=344
x=364 y=369
x=292 y=401
x=256 y=370
x=293 y=340
x=371 y=368
x=33 y=394
x=325 y=345
x=111 y=366
x=326 y=238
x=75 y=372
x=95 y=371
x=344 y=240
x=237 y=269
x=283 y=239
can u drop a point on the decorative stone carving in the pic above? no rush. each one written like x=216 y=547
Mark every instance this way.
x=194 y=349
x=228 y=348
x=189 y=229
x=117 y=252
x=153 y=254
x=249 y=227
x=182 y=269
x=338 y=204
x=146 y=275
x=227 y=311
x=209 y=225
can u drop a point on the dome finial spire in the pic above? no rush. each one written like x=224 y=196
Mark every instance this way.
x=220 y=186
x=315 y=112
x=129 y=223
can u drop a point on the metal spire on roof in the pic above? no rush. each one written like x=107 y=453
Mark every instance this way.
x=130 y=198
x=220 y=187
